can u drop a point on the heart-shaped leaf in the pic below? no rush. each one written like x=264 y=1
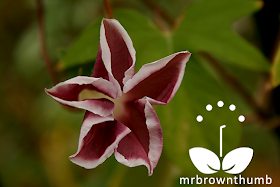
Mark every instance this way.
x=84 y=48
x=207 y=27
x=203 y=158
x=238 y=160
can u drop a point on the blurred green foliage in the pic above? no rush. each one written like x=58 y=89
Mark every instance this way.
x=37 y=134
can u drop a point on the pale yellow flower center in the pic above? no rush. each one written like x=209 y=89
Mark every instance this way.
x=93 y=94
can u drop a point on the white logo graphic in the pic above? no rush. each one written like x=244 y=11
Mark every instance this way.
x=208 y=162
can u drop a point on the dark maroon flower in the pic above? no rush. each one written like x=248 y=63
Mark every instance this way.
x=119 y=114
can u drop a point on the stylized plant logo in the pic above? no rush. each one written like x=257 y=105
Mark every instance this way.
x=208 y=162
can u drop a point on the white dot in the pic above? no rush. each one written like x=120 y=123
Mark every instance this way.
x=241 y=118
x=232 y=107
x=209 y=107
x=220 y=104
x=199 y=118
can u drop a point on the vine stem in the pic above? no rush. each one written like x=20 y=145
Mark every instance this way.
x=109 y=9
x=42 y=41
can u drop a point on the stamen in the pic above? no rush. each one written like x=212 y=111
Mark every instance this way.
x=94 y=94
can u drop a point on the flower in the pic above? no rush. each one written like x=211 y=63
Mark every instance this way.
x=119 y=115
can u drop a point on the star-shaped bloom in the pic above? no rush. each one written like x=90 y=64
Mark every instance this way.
x=119 y=115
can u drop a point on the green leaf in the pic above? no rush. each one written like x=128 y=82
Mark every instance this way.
x=149 y=42
x=207 y=27
x=174 y=8
x=84 y=48
x=181 y=131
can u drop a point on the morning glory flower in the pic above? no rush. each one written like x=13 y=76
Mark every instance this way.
x=119 y=115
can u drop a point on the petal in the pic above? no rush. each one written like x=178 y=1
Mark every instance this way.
x=99 y=69
x=98 y=138
x=67 y=93
x=143 y=146
x=116 y=51
x=158 y=80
